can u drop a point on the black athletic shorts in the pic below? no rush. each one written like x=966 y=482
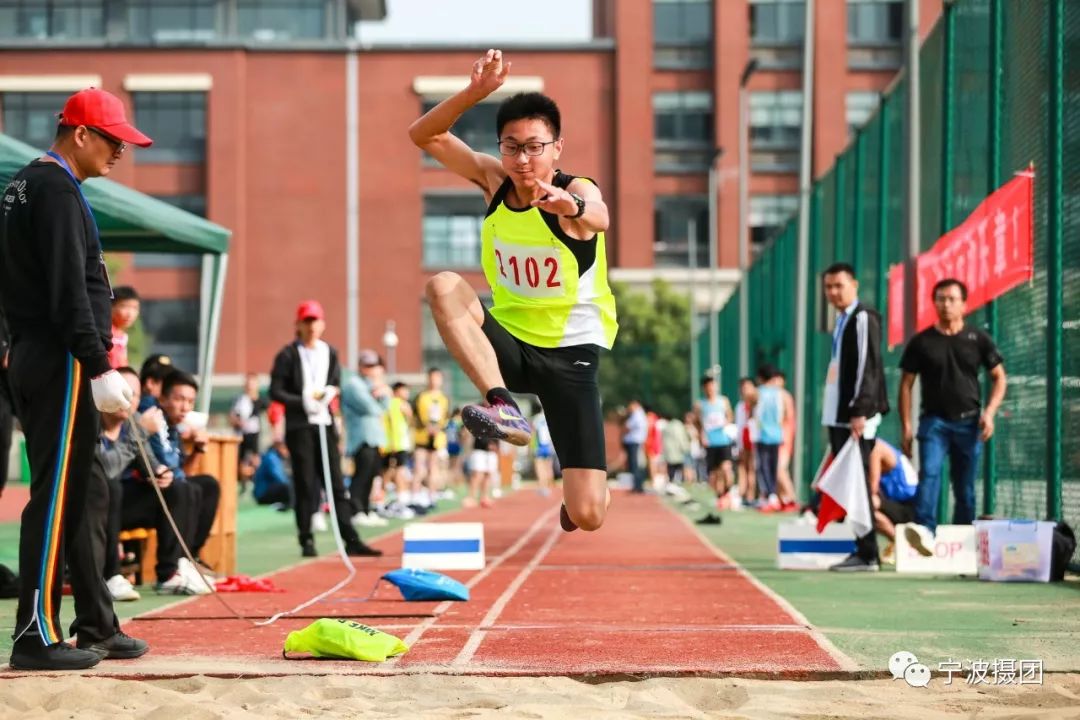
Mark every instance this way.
x=717 y=456
x=565 y=381
x=898 y=512
x=395 y=459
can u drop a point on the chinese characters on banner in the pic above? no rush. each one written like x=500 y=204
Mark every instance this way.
x=991 y=252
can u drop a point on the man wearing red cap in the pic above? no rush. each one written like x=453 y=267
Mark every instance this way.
x=56 y=294
x=306 y=379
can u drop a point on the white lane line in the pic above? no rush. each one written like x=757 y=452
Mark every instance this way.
x=442 y=607
x=842 y=659
x=477 y=636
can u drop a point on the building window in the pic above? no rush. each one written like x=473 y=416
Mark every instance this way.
x=775 y=124
x=31 y=117
x=768 y=213
x=777 y=22
x=861 y=105
x=172 y=328
x=52 y=19
x=277 y=20
x=875 y=22
x=452 y=230
x=176 y=122
x=476 y=128
x=671 y=220
x=195 y=204
x=168 y=21
x=684 y=131
x=682 y=34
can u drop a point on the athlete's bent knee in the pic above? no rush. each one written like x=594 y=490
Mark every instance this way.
x=587 y=515
x=441 y=286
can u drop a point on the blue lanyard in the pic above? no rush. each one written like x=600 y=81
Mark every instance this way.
x=78 y=185
x=838 y=333
x=93 y=220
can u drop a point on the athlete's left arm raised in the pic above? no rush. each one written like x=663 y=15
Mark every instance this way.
x=559 y=202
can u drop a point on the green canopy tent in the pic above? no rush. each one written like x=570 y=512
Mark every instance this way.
x=133 y=222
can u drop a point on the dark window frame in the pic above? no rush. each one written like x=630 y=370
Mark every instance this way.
x=170 y=146
x=438 y=249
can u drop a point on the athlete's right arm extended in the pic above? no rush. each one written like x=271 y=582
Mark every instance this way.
x=431 y=132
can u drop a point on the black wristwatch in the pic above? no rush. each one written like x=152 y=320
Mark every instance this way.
x=580 y=206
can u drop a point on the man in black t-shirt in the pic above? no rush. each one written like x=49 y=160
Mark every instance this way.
x=947 y=357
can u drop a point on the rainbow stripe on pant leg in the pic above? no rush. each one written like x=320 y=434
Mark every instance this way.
x=54 y=521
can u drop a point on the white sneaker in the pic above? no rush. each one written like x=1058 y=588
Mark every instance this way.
x=376 y=520
x=121 y=590
x=181 y=584
x=360 y=519
x=196 y=576
x=921 y=538
x=318 y=523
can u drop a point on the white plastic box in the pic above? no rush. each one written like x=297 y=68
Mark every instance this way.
x=1014 y=550
x=800 y=547
x=954 y=552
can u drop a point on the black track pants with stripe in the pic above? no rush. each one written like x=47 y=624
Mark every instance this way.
x=54 y=404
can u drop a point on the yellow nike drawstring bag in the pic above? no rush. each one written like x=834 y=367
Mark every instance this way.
x=343 y=639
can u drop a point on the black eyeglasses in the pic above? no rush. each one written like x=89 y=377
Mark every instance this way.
x=511 y=148
x=118 y=146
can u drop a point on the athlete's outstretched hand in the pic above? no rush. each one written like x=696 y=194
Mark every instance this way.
x=557 y=201
x=489 y=72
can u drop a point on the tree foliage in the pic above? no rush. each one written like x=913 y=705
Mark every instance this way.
x=651 y=357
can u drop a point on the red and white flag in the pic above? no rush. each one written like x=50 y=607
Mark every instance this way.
x=843 y=491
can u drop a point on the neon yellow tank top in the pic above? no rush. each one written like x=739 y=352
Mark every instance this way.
x=540 y=293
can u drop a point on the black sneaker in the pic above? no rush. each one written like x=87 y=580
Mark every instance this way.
x=118 y=647
x=359 y=549
x=30 y=654
x=854 y=563
x=307 y=549
x=564 y=520
x=710 y=519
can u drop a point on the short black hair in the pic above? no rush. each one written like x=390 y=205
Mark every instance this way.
x=529 y=106
x=767 y=372
x=177 y=378
x=706 y=379
x=839 y=267
x=398 y=385
x=128 y=370
x=62 y=131
x=434 y=369
x=124 y=292
x=950 y=282
x=747 y=379
x=155 y=367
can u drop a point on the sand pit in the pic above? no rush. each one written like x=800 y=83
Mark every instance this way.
x=444 y=697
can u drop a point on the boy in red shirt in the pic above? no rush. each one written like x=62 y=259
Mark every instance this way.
x=125 y=311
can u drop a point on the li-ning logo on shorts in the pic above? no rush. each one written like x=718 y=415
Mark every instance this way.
x=582 y=363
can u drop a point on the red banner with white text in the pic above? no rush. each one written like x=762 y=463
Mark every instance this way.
x=991 y=252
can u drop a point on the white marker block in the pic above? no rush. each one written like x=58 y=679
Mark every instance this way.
x=443 y=546
x=954 y=552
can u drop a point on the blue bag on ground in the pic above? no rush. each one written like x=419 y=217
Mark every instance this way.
x=426 y=585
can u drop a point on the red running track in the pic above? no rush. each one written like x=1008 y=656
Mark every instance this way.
x=646 y=595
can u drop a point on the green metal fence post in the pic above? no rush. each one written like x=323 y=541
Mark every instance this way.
x=997 y=51
x=883 y=209
x=857 y=227
x=840 y=170
x=948 y=107
x=1055 y=239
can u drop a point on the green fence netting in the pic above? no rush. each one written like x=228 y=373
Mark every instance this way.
x=988 y=89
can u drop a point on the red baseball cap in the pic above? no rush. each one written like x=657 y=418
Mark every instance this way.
x=102 y=110
x=309 y=310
